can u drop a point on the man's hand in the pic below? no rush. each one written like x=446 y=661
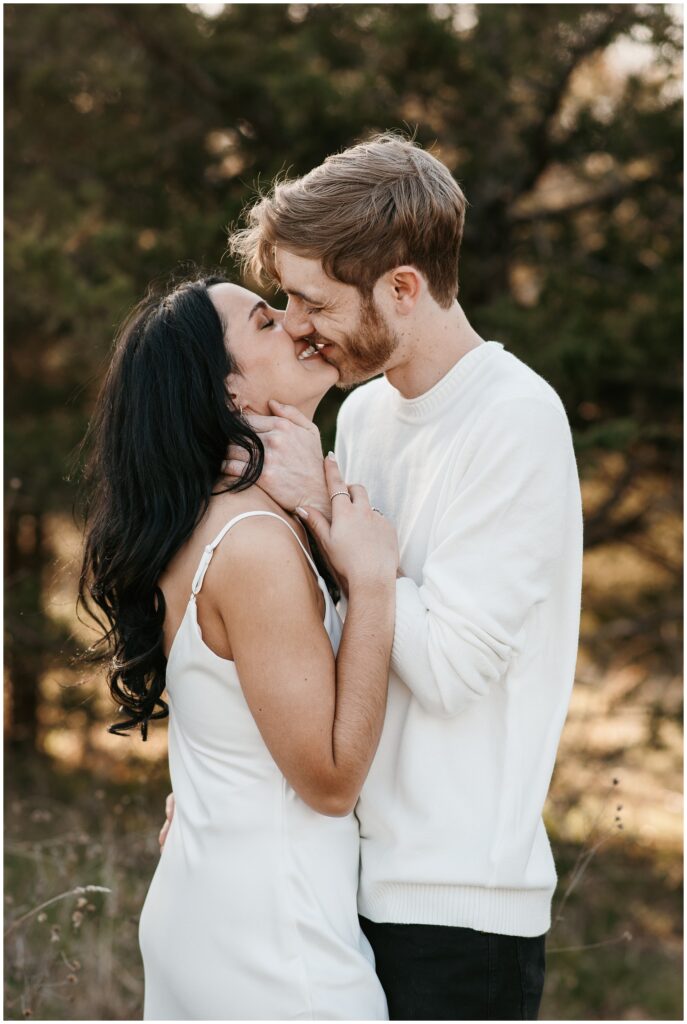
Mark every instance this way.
x=293 y=472
x=169 y=811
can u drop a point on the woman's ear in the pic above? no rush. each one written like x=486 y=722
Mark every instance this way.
x=233 y=384
x=235 y=397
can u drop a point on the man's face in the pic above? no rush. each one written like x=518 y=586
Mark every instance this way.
x=356 y=337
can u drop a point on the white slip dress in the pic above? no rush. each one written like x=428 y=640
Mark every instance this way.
x=251 y=913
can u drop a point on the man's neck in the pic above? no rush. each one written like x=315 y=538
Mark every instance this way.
x=429 y=353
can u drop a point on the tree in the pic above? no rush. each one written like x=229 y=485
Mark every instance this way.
x=135 y=133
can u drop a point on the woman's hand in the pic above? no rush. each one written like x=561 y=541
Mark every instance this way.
x=360 y=544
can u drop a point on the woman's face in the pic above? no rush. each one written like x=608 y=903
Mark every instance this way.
x=267 y=355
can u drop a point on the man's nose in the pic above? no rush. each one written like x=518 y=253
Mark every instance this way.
x=296 y=322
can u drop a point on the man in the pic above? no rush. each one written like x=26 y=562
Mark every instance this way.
x=470 y=454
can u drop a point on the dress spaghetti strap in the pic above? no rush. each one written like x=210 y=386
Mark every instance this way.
x=210 y=548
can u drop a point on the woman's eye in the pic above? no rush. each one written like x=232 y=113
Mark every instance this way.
x=267 y=323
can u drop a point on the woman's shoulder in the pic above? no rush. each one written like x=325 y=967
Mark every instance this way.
x=251 y=551
x=243 y=552
x=260 y=556
x=259 y=539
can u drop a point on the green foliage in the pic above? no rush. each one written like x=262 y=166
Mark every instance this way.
x=135 y=134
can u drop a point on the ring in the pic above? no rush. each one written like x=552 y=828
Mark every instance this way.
x=377 y=510
x=340 y=492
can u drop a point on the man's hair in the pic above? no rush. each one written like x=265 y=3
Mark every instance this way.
x=378 y=205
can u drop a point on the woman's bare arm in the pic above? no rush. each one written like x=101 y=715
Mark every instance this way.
x=320 y=718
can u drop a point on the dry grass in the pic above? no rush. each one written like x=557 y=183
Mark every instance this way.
x=88 y=813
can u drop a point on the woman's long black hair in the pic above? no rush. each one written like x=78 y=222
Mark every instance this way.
x=162 y=425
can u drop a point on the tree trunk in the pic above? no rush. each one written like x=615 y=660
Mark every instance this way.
x=26 y=633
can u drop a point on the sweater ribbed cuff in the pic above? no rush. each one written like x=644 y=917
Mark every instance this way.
x=523 y=912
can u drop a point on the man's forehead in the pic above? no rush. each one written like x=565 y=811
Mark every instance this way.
x=299 y=275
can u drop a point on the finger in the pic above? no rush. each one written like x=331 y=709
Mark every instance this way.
x=169 y=805
x=359 y=495
x=290 y=412
x=335 y=481
x=316 y=522
x=262 y=424
x=234 y=468
x=237 y=453
x=163 y=834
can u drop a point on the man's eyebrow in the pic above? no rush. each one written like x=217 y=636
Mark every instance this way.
x=260 y=304
x=300 y=295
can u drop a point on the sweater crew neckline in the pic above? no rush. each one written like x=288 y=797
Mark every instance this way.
x=414 y=410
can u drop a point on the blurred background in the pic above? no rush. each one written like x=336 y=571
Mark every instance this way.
x=134 y=136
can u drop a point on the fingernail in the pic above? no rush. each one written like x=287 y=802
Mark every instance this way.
x=332 y=456
x=302 y=512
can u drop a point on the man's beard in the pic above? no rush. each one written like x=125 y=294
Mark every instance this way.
x=366 y=352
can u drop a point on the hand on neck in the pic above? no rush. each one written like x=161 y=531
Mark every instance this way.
x=307 y=408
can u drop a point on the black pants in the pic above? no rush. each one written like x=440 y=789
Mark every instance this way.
x=433 y=972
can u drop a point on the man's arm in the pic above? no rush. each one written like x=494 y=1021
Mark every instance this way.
x=498 y=545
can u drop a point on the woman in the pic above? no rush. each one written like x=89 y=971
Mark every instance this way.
x=209 y=591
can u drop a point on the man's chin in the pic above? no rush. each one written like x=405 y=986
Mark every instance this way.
x=346 y=385
x=349 y=377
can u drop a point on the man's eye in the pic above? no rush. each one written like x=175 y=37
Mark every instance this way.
x=313 y=310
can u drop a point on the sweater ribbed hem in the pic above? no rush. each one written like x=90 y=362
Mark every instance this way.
x=523 y=912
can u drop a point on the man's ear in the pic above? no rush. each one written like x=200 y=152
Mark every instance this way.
x=406 y=285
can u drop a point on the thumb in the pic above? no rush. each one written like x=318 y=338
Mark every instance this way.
x=289 y=412
x=316 y=521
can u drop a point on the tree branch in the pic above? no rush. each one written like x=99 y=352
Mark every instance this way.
x=539 y=141
x=610 y=194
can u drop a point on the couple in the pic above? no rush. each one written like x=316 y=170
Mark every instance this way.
x=356 y=829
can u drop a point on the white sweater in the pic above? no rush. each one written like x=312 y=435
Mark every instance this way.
x=479 y=476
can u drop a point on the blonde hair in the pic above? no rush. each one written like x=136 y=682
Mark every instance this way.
x=378 y=205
